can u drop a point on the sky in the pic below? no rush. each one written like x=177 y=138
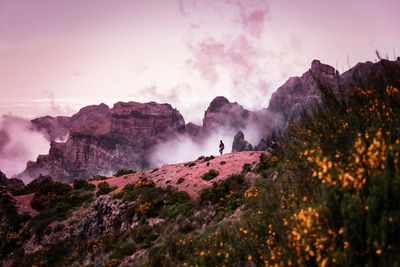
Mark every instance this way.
x=57 y=56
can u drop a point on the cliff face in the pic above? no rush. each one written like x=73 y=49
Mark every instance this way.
x=57 y=128
x=222 y=114
x=121 y=138
x=299 y=93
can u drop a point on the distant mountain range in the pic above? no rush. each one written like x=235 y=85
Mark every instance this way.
x=100 y=139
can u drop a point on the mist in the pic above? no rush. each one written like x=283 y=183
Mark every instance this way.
x=19 y=143
x=186 y=148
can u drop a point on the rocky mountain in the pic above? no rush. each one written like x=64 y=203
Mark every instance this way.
x=299 y=93
x=103 y=140
x=117 y=138
x=240 y=144
x=214 y=209
x=222 y=114
x=57 y=128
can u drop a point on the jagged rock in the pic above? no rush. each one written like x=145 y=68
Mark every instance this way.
x=240 y=144
x=57 y=128
x=300 y=93
x=122 y=139
x=9 y=182
x=193 y=130
x=264 y=144
x=105 y=216
x=42 y=180
x=224 y=115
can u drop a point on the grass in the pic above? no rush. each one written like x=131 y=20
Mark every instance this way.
x=211 y=174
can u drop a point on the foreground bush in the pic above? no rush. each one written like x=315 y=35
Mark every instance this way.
x=211 y=174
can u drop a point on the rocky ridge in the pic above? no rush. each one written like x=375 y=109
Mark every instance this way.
x=121 y=138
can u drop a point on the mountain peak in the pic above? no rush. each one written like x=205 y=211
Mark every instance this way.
x=217 y=103
x=317 y=68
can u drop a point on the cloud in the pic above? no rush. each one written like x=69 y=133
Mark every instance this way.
x=238 y=56
x=221 y=125
x=19 y=143
x=184 y=148
x=233 y=53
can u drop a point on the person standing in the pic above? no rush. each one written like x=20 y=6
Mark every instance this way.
x=221 y=147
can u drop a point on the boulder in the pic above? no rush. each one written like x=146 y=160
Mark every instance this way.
x=240 y=144
x=105 y=216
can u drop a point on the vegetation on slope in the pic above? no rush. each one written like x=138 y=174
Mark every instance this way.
x=336 y=200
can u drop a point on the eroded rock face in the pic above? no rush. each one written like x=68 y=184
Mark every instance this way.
x=300 y=93
x=57 y=128
x=105 y=216
x=240 y=144
x=222 y=113
x=232 y=117
x=122 y=138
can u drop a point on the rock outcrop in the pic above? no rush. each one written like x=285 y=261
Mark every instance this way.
x=223 y=114
x=240 y=144
x=232 y=117
x=41 y=180
x=9 y=182
x=105 y=216
x=300 y=93
x=57 y=128
x=121 y=139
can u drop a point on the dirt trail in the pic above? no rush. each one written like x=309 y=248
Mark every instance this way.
x=192 y=183
x=169 y=174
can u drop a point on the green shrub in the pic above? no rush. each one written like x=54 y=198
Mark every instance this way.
x=211 y=174
x=180 y=180
x=80 y=183
x=59 y=227
x=246 y=167
x=143 y=234
x=209 y=158
x=124 y=172
x=222 y=162
x=123 y=250
x=191 y=164
x=98 y=177
x=49 y=194
x=104 y=188
x=178 y=202
x=10 y=212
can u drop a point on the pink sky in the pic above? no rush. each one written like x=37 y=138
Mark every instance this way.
x=59 y=55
